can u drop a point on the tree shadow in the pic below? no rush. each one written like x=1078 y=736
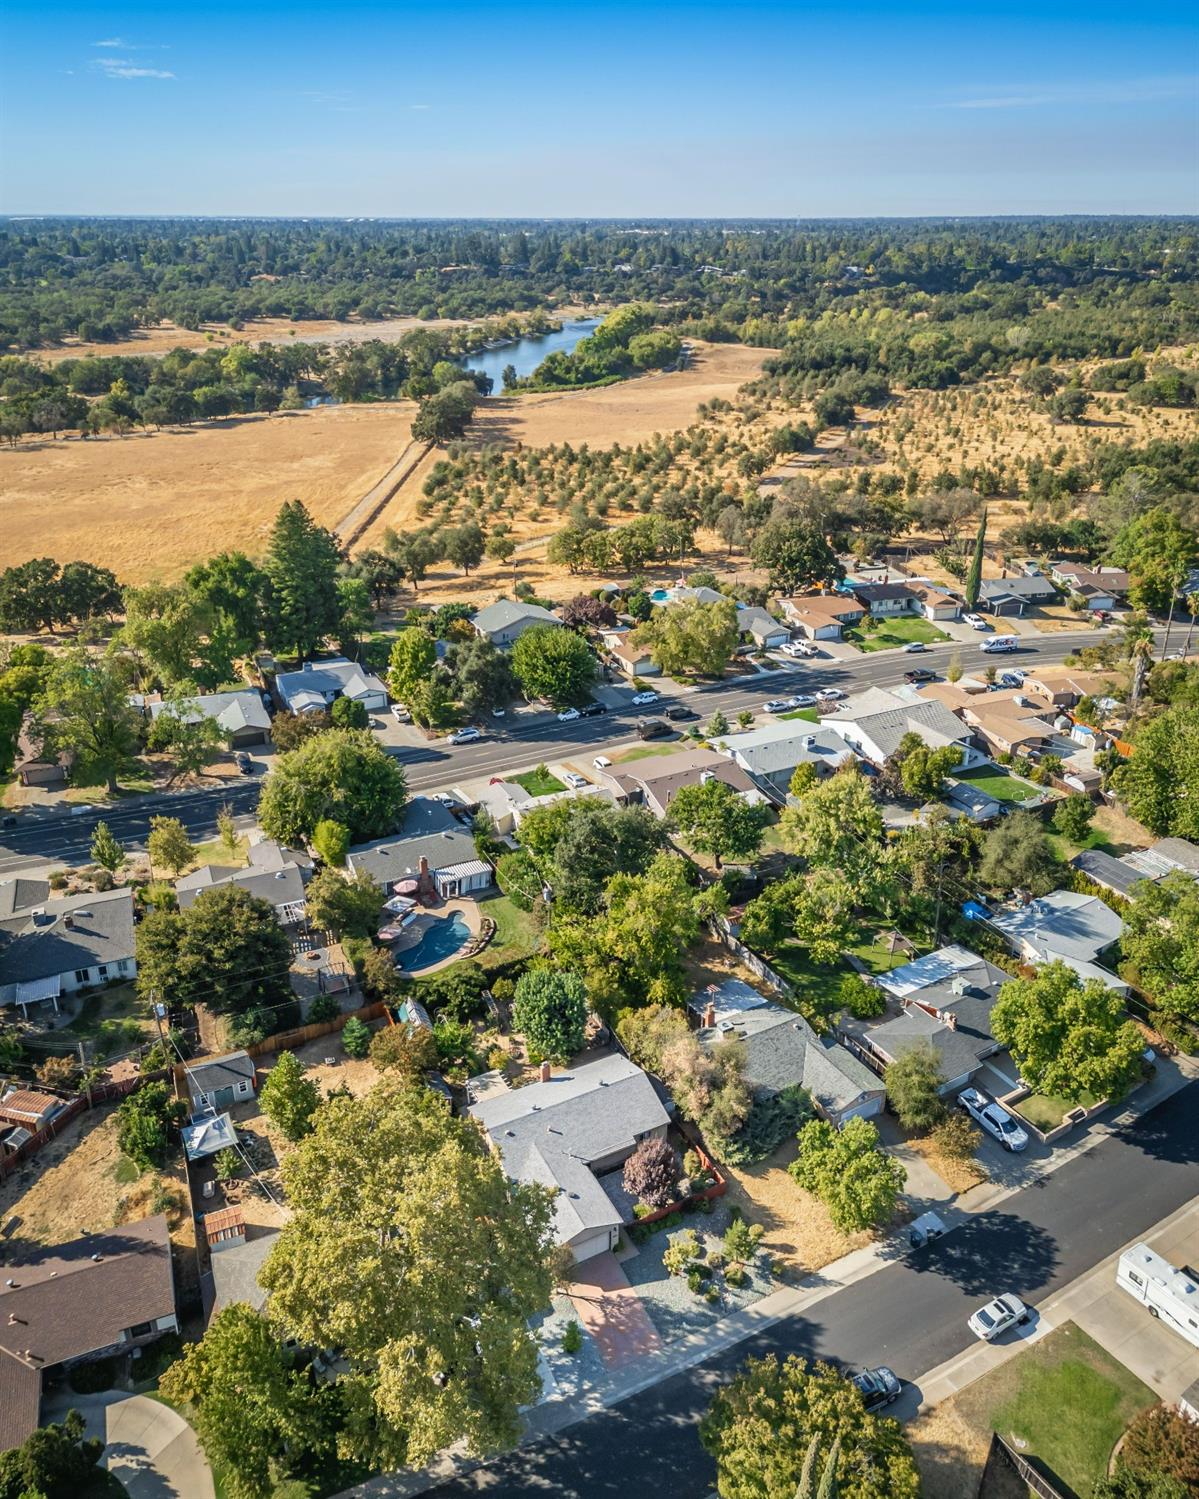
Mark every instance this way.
x=1167 y=1132
x=988 y=1253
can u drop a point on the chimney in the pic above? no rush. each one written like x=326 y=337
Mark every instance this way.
x=951 y=1020
x=423 y=868
x=545 y=1072
x=709 y=1014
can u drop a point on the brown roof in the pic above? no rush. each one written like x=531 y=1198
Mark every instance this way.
x=20 y=1400
x=827 y=607
x=662 y=778
x=627 y=651
x=25 y=1105
x=75 y=1299
x=1001 y=716
x=225 y=1223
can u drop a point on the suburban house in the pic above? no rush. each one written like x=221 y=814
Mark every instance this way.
x=504 y=622
x=943 y=1000
x=934 y=604
x=217 y=1083
x=1015 y=595
x=875 y=721
x=682 y=593
x=1166 y=856
x=1102 y=587
x=507 y=803
x=208 y=1134
x=656 y=781
x=1008 y=723
x=886 y=600
x=762 y=627
x=822 y=616
x=633 y=660
x=1061 y=687
x=241 y=716
x=34 y=767
x=783 y=1051
x=969 y=802
x=100 y=1295
x=1064 y=927
x=283 y=888
x=772 y=754
x=29 y=1108
x=235 y=1268
x=431 y=848
x=318 y=685
x=54 y=947
x=565 y=1132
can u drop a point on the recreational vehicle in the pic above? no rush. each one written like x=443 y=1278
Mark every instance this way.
x=1171 y=1295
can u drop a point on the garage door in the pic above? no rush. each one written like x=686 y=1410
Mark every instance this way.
x=595 y=1244
x=869 y=1108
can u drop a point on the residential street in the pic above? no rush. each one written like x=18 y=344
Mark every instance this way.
x=911 y=1315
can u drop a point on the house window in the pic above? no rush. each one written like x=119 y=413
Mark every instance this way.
x=81 y=975
x=103 y=970
x=141 y=1330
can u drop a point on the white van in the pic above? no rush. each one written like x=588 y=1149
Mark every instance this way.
x=1170 y=1294
x=1001 y=643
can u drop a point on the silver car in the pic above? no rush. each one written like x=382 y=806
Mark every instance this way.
x=993 y=1118
x=994 y=1319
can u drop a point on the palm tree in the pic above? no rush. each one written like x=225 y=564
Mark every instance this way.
x=1192 y=610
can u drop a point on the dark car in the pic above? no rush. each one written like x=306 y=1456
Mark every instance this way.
x=681 y=714
x=920 y=674
x=878 y=1387
x=653 y=728
x=592 y=710
x=244 y=763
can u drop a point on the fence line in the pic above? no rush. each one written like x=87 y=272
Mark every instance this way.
x=1001 y=1454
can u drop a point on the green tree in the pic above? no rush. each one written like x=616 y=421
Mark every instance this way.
x=1068 y=1038
x=1016 y=856
x=553 y=663
x=1072 y=817
x=796 y=556
x=29 y=596
x=482 y=675
x=1161 y=1440
x=741 y=1241
x=288 y=1098
x=922 y=770
x=233 y=588
x=850 y=1172
x=343 y=776
x=168 y=845
x=1158 y=550
x=331 y=840
x=348 y=713
x=430 y=1308
x=407 y=1050
x=714 y=819
x=913 y=1082
x=803 y=778
x=1129 y=1483
x=144 y=1122
x=57 y=1461
x=691 y=638
x=171 y=627
x=302 y=606
x=355 y=1037
x=1161 y=943
x=974 y=575
x=1159 y=784
x=186 y=734
x=550 y=1011
x=762 y=1425
x=230 y=838
x=718 y=725
x=105 y=850
x=255 y=1415
x=445 y=416
x=464 y=546
x=838 y=826
x=345 y=907
x=84 y=708
x=226 y=950
x=412 y=661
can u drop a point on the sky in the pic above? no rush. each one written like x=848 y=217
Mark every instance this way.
x=401 y=110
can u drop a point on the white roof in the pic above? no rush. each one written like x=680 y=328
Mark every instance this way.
x=933 y=968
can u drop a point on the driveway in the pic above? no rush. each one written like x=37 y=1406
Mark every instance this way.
x=149 y=1447
x=611 y=1311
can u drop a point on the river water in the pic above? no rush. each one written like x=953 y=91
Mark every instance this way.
x=527 y=353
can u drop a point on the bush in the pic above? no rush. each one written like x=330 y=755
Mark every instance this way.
x=517 y=876
x=228 y=1164
x=457 y=992
x=572 y=1338
x=323 y=1009
x=770 y=1123
x=651 y=1173
x=355 y=1037
x=1161 y=1441
x=695 y=1281
x=680 y=1253
x=912 y=1083
x=956 y=1138
x=735 y=1276
x=863 y=1000
x=712 y=1295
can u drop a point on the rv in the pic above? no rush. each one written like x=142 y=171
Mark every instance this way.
x=1171 y=1295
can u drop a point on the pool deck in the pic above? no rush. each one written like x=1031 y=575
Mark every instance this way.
x=466 y=908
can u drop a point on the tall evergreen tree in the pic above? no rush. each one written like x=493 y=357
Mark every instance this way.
x=303 y=606
x=974 y=576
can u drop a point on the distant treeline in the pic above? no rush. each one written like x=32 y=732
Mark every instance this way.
x=98 y=279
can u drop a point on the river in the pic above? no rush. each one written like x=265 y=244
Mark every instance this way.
x=527 y=353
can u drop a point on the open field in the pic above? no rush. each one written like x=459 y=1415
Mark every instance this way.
x=148 y=506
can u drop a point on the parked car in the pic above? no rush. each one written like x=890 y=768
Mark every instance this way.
x=499 y=713
x=798 y=648
x=994 y=1319
x=681 y=714
x=400 y=713
x=913 y=646
x=1011 y=678
x=601 y=762
x=878 y=1387
x=829 y=695
x=975 y=621
x=653 y=728
x=920 y=674
x=592 y=710
x=643 y=699
x=244 y=763
x=573 y=778
x=468 y=735
x=569 y=715
x=994 y=1119
x=803 y=700
x=778 y=705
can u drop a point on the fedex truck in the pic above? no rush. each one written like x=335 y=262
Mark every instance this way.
x=1170 y=1294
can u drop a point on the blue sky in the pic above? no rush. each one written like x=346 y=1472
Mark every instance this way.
x=412 y=110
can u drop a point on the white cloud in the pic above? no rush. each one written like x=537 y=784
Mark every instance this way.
x=113 y=41
x=120 y=67
x=1133 y=91
x=420 y=106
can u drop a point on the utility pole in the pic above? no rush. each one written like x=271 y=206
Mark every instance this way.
x=87 y=1082
x=156 y=1009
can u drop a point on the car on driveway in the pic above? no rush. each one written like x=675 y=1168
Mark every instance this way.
x=643 y=699
x=592 y=710
x=681 y=714
x=798 y=648
x=913 y=646
x=920 y=674
x=994 y=1319
x=400 y=713
x=975 y=621
x=995 y=1120
x=601 y=762
x=1011 y=679
x=777 y=705
x=569 y=715
x=573 y=778
x=244 y=763
x=467 y=735
x=877 y=1387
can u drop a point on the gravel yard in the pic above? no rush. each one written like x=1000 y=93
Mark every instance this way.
x=573 y=1373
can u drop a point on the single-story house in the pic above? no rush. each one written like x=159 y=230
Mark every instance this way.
x=431 y=847
x=783 y=1051
x=34 y=767
x=886 y=600
x=30 y=1108
x=318 y=685
x=971 y=803
x=766 y=631
x=58 y=946
x=1015 y=595
x=566 y=1131
x=96 y=1296
x=268 y=854
x=507 y=803
x=1008 y=723
x=934 y=604
x=683 y=593
x=879 y=1043
x=216 y=1083
x=874 y=723
x=504 y=622
x=235 y=1271
x=634 y=660
x=656 y=781
x=22 y=895
x=1063 y=686
x=283 y=888
x=208 y=1134
x=1064 y=927
x=1116 y=875
x=822 y=616
x=772 y=754
x=241 y=715
x=1166 y=856
x=1102 y=587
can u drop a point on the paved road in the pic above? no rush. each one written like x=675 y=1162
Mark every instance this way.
x=40 y=838
x=911 y=1315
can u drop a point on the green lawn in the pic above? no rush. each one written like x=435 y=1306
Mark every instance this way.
x=112 y=1019
x=895 y=632
x=643 y=751
x=515 y=934
x=998 y=783
x=539 y=782
x=1064 y=849
x=1047 y=1113
x=215 y=852
x=809 y=714
x=815 y=987
x=1064 y=1403
x=877 y=957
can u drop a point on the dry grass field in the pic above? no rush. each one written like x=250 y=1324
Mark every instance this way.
x=148 y=506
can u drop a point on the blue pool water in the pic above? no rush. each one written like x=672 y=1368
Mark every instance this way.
x=659 y=595
x=442 y=939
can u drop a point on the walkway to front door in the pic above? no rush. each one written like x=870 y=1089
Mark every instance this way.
x=612 y=1312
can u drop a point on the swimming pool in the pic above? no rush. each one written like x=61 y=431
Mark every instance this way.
x=660 y=595
x=442 y=938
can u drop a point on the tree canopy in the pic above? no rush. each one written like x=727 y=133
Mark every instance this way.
x=850 y=1172
x=553 y=663
x=716 y=819
x=344 y=776
x=550 y=1011
x=690 y=638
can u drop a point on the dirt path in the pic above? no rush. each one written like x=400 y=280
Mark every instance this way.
x=379 y=496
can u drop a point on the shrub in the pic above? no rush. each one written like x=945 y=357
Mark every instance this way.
x=770 y=1122
x=355 y=1037
x=323 y=1009
x=735 y=1276
x=651 y=1173
x=912 y=1081
x=572 y=1338
x=956 y=1138
x=227 y=1164
x=406 y=1050
x=695 y=1281
x=680 y=1252
x=712 y=1295
x=863 y=1000
x=1161 y=1441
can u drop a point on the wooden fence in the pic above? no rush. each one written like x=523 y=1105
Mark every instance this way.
x=718 y=1188
x=101 y=1093
x=756 y=965
x=1002 y=1457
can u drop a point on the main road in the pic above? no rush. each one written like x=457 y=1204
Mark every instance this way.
x=911 y=1314
x=39 y=838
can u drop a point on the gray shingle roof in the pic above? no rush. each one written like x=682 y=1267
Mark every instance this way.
x=36 y=947
x=778 y=754
x=280 y=887
x=504 y=613
x=19 y=895
x=1062 y=925
x=960 y=1050
x=219 y=1072
x=232 y=710
x=327 y=678
x=1029 y=589
x=1107 y=870
x=954 y=981
x=428 y=829
x=782 y=1050
x=235 y=1272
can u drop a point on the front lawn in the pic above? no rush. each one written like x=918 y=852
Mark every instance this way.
x=895 y=632
x=643 y=751
x=810 y=715
x=539 y=782
x=1046 y=1113
x=217 y=852
x=998 y=783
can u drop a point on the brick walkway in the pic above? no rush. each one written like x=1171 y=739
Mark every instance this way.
x=612 y=1312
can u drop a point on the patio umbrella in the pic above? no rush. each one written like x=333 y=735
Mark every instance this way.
x=407 y=887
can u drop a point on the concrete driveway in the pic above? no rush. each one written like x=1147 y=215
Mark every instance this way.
x=149 y=1447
